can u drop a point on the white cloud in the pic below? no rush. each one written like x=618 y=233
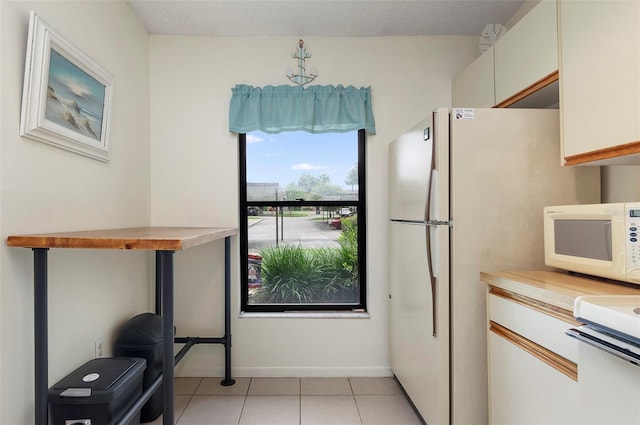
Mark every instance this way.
x=77 y=87
x=305 y=166
x=254 y=139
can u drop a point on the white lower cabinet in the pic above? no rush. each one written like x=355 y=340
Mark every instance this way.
x=525 y=390
x=531 y=380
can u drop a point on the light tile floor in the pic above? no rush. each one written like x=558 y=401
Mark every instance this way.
x=291 y=401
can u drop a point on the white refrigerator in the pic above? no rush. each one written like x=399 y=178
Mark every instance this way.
x=466 y=188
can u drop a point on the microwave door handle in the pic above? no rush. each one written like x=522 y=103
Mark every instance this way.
x=607 y=238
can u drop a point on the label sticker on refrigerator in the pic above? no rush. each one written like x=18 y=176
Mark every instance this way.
x=464 y=113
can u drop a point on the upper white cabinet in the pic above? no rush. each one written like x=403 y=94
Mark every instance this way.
x=600 y=81
x=474 y=86
x=520 y=70
x=528 y=52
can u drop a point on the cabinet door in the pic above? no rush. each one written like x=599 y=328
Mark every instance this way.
x=525 y=390
x=533 y=375
x=528 y=52
x=474 y=86
x=600 y=81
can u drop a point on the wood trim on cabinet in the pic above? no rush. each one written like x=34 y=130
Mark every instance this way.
x=540 y=84
x=548 y=309
x=605 y=153
x=556 y=361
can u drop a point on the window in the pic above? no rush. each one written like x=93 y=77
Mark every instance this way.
x=302 y=221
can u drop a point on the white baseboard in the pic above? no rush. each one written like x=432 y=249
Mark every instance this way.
x=288 y=372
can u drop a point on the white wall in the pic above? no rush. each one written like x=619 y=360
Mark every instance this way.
x=194 y=182
x=46 y=189
x=620 y=183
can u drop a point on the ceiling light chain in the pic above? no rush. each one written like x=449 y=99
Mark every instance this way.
x=301 y=78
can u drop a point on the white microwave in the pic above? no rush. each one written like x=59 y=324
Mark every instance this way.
x=595 y=239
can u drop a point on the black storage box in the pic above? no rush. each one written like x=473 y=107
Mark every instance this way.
x=141 y=336
x=98 y=393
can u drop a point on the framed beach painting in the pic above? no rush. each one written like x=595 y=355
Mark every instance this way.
x=66 y=97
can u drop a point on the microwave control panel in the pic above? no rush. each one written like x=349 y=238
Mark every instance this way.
x=632 y=238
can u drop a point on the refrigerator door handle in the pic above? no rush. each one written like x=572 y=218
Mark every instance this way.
x=431 y=277
x=433 y=177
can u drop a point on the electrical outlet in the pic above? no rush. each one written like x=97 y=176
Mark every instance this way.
x=99 y=348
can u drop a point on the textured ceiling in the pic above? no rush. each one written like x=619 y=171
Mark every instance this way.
x=340 y=18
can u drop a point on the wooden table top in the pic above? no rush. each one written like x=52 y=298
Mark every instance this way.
x=554 y=287
x=137 y=238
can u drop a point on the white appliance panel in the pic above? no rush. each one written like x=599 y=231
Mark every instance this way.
x=620 y=313
x=608 y=389
x=496 y=170
x=409 y=173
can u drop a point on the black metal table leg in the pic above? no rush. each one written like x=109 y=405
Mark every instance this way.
x=227 y=381
x=166 y=277
x=158 y=294
x=41 y=340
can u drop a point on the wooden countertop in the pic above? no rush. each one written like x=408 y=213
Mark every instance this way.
x=556 y=288
x=140 y=238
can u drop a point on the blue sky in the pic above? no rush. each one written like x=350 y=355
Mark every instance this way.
x=284 y=157
x=75 y=84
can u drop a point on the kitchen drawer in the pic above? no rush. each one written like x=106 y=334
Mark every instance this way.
x=534 y=325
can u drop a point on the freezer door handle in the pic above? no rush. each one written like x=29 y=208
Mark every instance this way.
x=433 y=177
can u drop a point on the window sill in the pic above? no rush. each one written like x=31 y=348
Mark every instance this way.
x=306 y=315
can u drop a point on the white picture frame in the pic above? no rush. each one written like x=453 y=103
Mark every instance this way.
x=66 y=99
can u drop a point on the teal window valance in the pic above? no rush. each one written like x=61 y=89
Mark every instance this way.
x=314 y=109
